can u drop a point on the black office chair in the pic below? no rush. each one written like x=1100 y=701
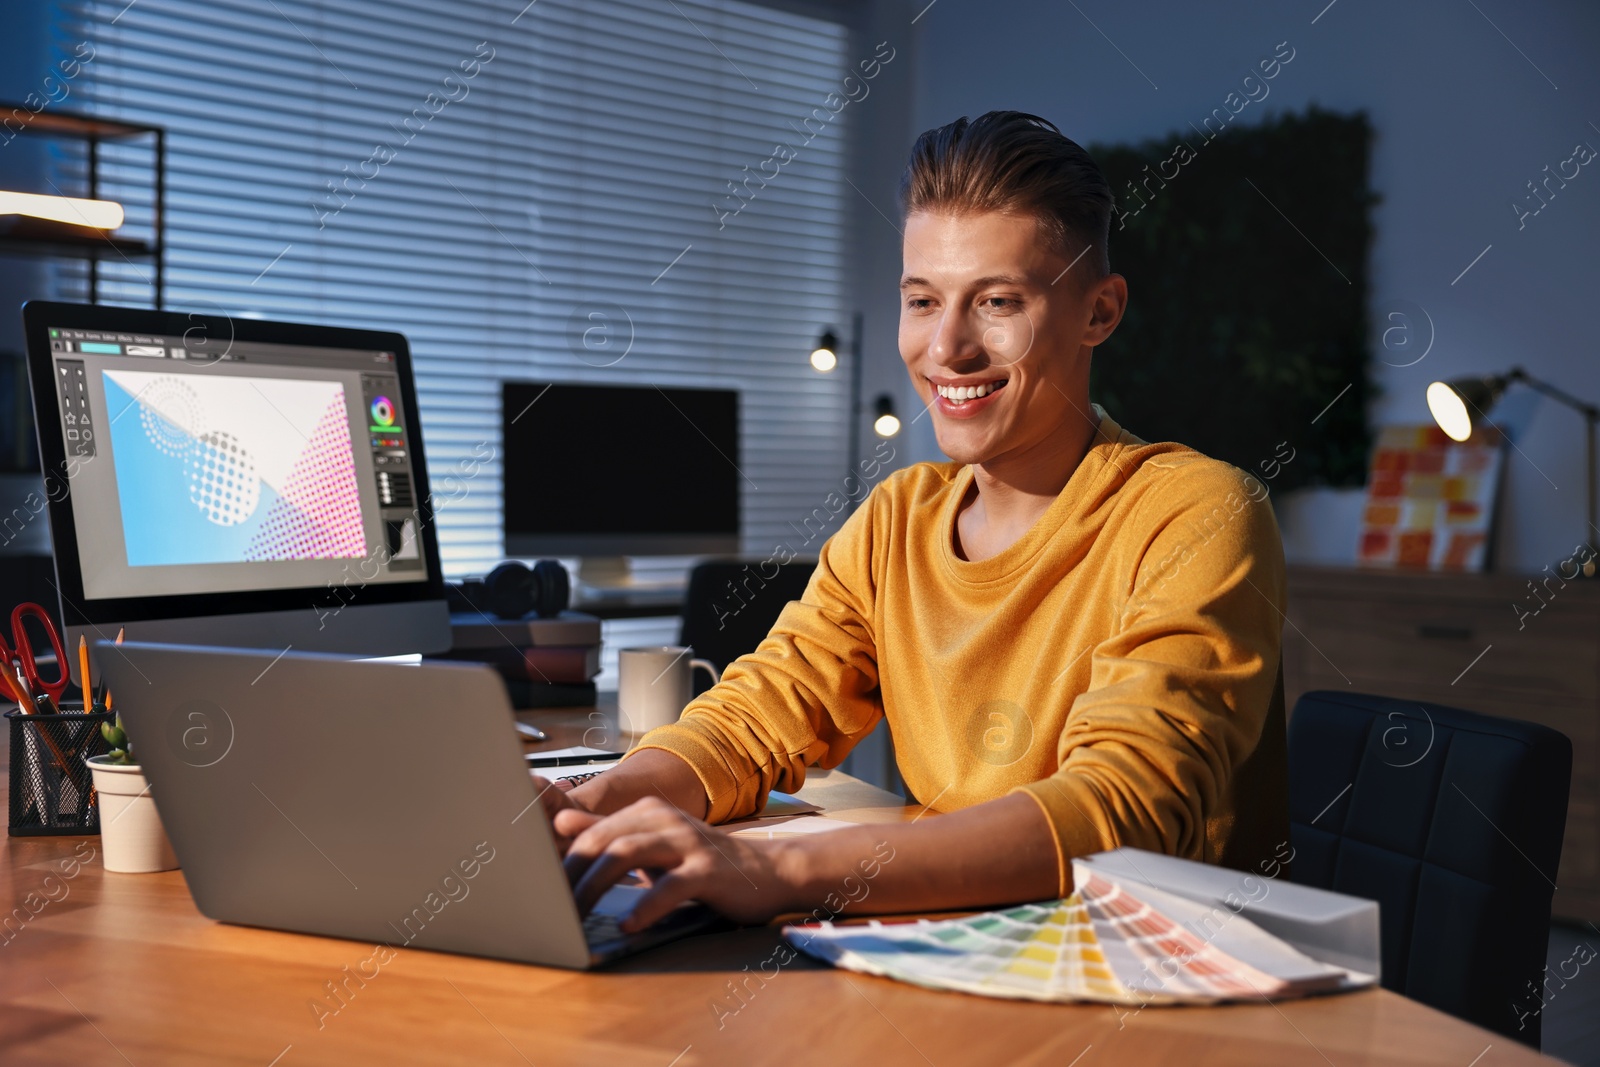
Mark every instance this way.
x=1452 y=821
x=731 y=605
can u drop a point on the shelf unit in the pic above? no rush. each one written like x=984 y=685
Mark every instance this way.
x=41 y=238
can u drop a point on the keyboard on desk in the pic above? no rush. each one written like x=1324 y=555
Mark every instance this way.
x=603 y=924
x=600 y=929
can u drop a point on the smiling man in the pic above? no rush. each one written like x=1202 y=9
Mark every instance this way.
x=1074 y=635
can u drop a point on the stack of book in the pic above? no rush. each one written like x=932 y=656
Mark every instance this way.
x=546 y=663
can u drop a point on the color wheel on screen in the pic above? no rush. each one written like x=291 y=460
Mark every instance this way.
x=383 y=411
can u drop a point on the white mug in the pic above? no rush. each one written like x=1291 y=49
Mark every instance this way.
x=654 y=684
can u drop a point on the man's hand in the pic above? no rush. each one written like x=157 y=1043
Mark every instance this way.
x=999 y=852
x=682 y=857
x=647 y=772
x=554 y=797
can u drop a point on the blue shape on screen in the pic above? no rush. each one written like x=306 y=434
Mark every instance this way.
x=161 y=526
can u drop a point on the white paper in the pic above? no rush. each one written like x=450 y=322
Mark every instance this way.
x=802 y=824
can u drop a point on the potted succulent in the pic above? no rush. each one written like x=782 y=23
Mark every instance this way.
x=131 y=834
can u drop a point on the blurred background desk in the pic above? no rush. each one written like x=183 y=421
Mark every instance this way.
x=1459 y=640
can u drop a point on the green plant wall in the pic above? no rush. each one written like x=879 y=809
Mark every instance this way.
x=1246 y=260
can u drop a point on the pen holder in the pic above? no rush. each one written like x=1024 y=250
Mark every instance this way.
x=52 y=790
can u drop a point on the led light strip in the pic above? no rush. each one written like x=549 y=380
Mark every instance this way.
x=99 y=214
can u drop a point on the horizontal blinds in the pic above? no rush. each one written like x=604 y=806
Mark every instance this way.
x=568 y=163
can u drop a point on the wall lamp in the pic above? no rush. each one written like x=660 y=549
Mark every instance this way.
x=1459 y=405
x=885 y=424
x=825 y=356
x=71 y=210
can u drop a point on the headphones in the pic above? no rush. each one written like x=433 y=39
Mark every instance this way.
x=513 y=590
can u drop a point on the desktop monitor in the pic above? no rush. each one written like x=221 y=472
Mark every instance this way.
x=605 y=470
x=226 y=481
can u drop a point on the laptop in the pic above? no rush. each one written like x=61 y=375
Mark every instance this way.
x=376 y=801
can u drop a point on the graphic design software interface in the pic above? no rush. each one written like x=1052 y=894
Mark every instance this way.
x=267 y=466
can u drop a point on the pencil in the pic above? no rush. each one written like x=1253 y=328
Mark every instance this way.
x=11 y=689
x=83 y=673
x=27 y=707
x=120 y=631
x=20 y=682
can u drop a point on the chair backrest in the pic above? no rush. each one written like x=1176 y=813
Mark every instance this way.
x=1452 y=821
x=731 y=606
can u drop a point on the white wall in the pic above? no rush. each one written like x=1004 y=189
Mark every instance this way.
x=1463 y=120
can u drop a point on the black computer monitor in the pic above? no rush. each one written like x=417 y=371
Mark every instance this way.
x=603 y=470
x=234 y=482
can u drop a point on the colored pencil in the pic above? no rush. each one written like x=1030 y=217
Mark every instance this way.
x=83 y=673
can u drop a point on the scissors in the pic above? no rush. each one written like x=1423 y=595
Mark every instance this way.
x=20 y=652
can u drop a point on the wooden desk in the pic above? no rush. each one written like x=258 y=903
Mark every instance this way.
x=123 y=970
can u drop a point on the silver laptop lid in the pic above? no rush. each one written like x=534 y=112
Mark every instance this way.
x=381 y=802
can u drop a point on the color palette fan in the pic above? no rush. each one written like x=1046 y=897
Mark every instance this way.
x=1112 y=941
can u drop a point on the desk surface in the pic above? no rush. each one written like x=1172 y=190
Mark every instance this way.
x=123 y=969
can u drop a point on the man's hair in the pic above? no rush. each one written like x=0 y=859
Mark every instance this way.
x=1012 y=162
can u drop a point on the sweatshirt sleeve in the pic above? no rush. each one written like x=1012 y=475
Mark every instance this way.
x=807 y=693
x=1180 y=690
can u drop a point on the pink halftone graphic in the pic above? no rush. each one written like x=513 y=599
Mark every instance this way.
x=318 y=510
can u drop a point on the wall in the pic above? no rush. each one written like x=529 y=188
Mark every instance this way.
x=1464 y=118
x=882 y=141
x=25 y=60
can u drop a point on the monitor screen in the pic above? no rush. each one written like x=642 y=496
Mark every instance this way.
x=274 y=467
x=594 y=470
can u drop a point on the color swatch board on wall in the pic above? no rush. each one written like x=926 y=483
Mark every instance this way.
x=1430 y=500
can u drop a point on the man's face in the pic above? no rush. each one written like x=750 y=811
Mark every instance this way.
x=988 y=305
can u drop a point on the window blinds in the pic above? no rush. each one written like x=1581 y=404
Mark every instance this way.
x=570 y=191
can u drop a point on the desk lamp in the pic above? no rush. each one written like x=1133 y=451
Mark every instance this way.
x=1458 y=405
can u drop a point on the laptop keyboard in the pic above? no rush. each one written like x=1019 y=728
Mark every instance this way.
x=603 y=933
x=599 y=929
x=602 y=924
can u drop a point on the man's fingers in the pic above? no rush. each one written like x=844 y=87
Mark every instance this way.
x=590 y=838
x=621 y=856
x=570 y=822
x=551 y=796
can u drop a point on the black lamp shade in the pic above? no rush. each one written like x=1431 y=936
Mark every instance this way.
x=1480 y=394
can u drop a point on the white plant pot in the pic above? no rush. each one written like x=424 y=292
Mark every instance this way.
x=132 y=839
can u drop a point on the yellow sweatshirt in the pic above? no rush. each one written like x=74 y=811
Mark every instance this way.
x=1119 y=663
